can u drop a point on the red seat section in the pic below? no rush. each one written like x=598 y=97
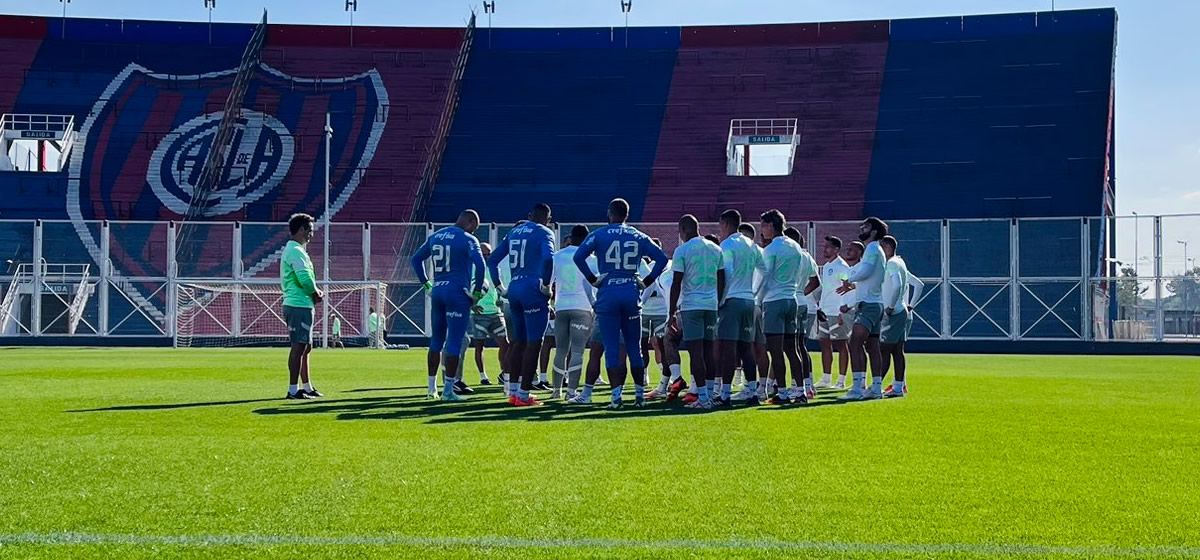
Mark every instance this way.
x=828 y=76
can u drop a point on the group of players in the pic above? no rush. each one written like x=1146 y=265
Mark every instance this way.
x=740 y=304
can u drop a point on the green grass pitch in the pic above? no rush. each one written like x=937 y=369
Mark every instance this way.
x=165 y=453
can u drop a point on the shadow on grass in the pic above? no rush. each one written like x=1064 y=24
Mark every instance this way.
x=170 y=406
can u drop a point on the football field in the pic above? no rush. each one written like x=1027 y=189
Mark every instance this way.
x=194 y=454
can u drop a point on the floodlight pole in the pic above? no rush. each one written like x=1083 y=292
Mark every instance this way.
x=210 y=4
x=489 y=8
x=64 y=26
x=626 y=7
x=351 y=6
x=325 y=271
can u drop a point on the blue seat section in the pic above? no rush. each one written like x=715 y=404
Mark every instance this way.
x=579 y=38
x=994 y=116
x=570 y=127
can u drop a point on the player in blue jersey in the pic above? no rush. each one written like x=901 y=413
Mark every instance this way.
x=457 y=284
x=619 y=249
x=529 y=252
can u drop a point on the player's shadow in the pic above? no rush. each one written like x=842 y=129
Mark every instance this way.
x=170 y=406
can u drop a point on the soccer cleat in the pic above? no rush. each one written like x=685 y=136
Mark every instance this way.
x=753 y=401
x=699 y=405
x=779 y=400
x=690 y=398
x=822 y=384
x=462 y=388
x=888 y=389
x=656 y=394
x=542 y=386
x=719 y=402
x=839 y=386
x=871 y=394
x=854 y=394
x=579 y=399
x=452 y=396
x=742 y=396
x=555 y=395
x=512 y=399
x=799 y=398
x=531 y=401
x=615 y=405
x=639 y=403
x=678 y=385
x=485 y=381
x=600 y=381
x=298 y=396
x=892 y=393
x=432 y=396
x=313 y=393
x=809 y=393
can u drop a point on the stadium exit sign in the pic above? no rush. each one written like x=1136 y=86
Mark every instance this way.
x=766 y=139
x=46 y=134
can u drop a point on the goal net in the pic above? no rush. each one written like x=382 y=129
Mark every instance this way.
x=231 y=313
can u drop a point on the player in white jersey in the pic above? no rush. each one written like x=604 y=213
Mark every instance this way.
x=549 y=340
x=784 y=260
x=832 y=330
x=699 y=282
x=654 y=316
x=867 y=279
x=807 y=282
x=573 y=317
x=762 y=359
x=736 y=318
x=901 y=292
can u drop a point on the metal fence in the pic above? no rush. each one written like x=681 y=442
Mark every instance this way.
x=1110 y=279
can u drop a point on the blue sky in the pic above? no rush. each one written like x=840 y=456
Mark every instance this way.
x=1158 y=72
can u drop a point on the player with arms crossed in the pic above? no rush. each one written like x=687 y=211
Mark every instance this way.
x=866 y=278
x=456 y=257
x=300 y=292
x=619 y=249
x=529 y=252
x=700 y=283
x=901 y=291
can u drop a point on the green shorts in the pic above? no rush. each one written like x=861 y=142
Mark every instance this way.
x=760 y=334
x=810 y=324
x=299 y=323
x=896 y=327
x=654 y=326
x=698 y=325
x=780 y=317
x=488 y=327
x=870 y=315
x=736 y=320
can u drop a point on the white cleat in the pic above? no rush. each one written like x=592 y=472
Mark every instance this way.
x=433 y=396
x=872 y=393
x=742 y=396
x=893 y=394
x=839 y=386
x=854 y=394
x=579 y=399
x=822 y=384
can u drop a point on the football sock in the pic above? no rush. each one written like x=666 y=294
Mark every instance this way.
x=752 y=386
x=876 y=383
x=676 y=371
x=587 y=391
x=859 y=380
x=726 y=389
x=308 y=386
x=616 y=393
x=432 y=383
x=842 y=378
x=898 y=386
x=292 y=389
x=639 y=391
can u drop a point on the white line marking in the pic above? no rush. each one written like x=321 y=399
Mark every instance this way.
x=985 y=549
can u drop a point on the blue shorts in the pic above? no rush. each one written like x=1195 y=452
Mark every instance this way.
x=451 y=312
x=530 y=310
x=619 y=318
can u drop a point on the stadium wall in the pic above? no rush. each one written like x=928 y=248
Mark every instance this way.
x=975 y=116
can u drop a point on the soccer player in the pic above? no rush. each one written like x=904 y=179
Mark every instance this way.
x=735 y=317
x=697 y=287
x=807 y=281
x=372 y=326
x=901 y=291
x=654 y=317
x=832 y=330
x=529 y=250
x=300 y=292
x=337 y=333
x=619 y=249
x=762 y=359
x=573 y=317
x=784 y=260
x=487 y=322
x=671 y=380
x=456 y=257
x=866 y=278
